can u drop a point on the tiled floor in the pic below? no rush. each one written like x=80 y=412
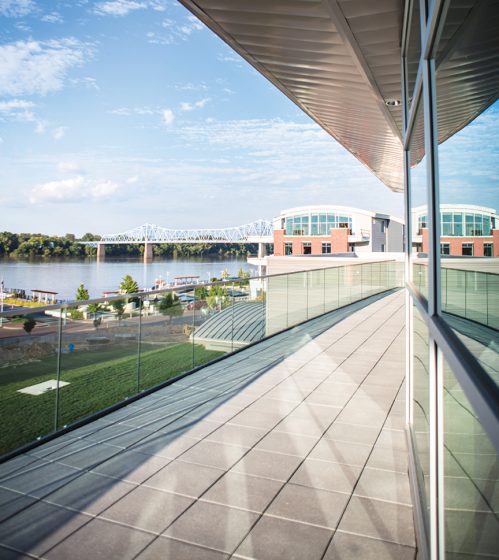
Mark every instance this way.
x=293 y=449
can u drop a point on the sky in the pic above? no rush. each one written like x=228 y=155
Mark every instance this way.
x=120 y=112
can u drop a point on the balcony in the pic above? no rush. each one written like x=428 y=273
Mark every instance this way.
x=291 y=448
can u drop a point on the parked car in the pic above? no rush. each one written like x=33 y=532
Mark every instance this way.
x=196 y=305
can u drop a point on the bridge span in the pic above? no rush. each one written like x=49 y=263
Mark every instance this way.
x=259 y=231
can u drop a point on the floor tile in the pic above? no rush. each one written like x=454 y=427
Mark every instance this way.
x=184 y=478
x=243 y=491
x=354 y=454
x=277 y=539
x=40 y=527
x=213 y=525
x=352 y=433
x=89 y=493
x=42 y=479
x=336 y=477
x=12 y=502
x=291 y=444
x=164 y=445
x=214 y=454
x=277 y=466
x=148 y=509
x=381 y=520
x=237 y=435
x=164 y=548
x=132 y=467
x=384 y=485
x=101 y=539
x=309 y=505
x=354 y=547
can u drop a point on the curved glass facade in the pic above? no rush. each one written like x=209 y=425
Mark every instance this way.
x=461 y=224
x=316 y=224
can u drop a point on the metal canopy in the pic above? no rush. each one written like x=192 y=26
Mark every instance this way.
x=338 y=60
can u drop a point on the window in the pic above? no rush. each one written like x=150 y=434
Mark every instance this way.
x=288 y=248
x=445 y=248
x=467 y=250
x=326 y=248
x=382 y=249
x=488 y=249
x=316 y=224
x=307 y=248
x=383 y=226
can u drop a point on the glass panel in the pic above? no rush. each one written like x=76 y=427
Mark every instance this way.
x=297 y=298
x=165 y=345
x=331 y=288
x=419 y=206
x=316 y=296
x=99 y=359
x=276 y=304
x=212 y=316
x=471 y=470
x=468 y=163
x=421 y=407
x=28 y=377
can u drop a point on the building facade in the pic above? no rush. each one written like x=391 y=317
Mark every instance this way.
x=326 y=230
x=465 y=230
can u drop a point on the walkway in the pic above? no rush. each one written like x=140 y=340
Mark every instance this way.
x=301 y=459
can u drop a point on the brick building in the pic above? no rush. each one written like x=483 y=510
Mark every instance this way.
x=322 y=230
x=465 y=230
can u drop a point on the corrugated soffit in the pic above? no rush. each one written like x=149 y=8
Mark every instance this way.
x=339 y=60
x=467 y=64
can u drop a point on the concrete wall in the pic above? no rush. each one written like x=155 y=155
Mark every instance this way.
x=394 y=237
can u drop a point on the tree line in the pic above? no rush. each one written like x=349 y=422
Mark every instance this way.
x=27 y=245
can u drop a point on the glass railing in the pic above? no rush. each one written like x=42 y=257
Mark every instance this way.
x=472 y=295
x=64 y=363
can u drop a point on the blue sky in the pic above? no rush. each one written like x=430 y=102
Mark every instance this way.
x=114 y=113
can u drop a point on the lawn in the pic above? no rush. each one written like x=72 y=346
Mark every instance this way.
x=97 y=380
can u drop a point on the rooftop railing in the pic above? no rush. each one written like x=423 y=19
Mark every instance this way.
x=61 y=365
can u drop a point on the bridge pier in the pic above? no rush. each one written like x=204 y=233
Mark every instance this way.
x=262 y=250
x=147 y=252
x=101 y=251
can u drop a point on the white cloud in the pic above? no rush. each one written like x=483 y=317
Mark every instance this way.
x=175 y=31
x=40 y=127
x=28 y=67
x=59 y=132
x=193 y=24
x=132 y=180
x=118 y=7
x=186 y=106
x=168 y=117
x=127 y=111
x=15 y=105
x=16 y=8
x=54 y=17
x=73 y=190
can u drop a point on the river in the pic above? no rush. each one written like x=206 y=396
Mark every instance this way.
x=65 y=275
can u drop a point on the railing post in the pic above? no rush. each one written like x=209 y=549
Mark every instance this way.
x=306 y=289
x=139 y=343
x=232 y=323
x=193 y=325
x=58 y=371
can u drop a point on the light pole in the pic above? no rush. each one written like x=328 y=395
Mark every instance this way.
x=1 y=302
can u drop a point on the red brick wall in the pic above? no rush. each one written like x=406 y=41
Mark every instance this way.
x=279 y=242
x=456 y=243
x=339 y=240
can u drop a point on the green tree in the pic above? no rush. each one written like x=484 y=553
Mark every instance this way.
x=129 y=285
x=225 y=274
x=29 y=324
x=81 y=293
x=170 y=305
x=119 y=306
